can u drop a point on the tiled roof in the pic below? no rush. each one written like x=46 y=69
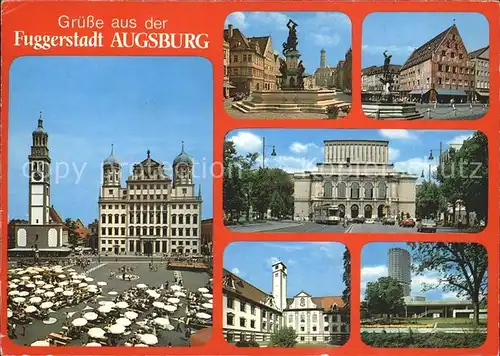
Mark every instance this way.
x=394 y=68
x=324 y=303
x=478 y=52
x=248 y=42
x=246 y=289
x=425 y=51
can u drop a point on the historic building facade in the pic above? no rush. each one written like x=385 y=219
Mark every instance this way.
x=325 y=76
x=439 y=70
x=356 y=175
x=252 y=62
x=41 y=235
x=481 y=77
x=344 y=72
x=153 y=214
x=227 y=84
x=370 y=78
x=252 y=314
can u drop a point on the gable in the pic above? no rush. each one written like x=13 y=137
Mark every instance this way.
x=452 y=42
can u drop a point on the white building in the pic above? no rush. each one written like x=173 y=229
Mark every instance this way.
x=481 y=77
x=252 y=314
x=357 y=177
x=153 y=214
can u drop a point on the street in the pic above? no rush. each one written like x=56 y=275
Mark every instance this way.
x=289 y=226
x=446 y=112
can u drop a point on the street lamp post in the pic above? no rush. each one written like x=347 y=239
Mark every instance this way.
x=431 y=158
x=273 y=153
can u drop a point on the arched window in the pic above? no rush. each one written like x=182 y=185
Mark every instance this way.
x=188 y=219
x=117 y=218
x=382 y=191
x=341 y=190
x=123 y=218
x=110 y=218
x=131 y=231
x=327 y=189
x=174 y=219
x=137 y=231
x=368 y=190
x=354 y=191
x=145 y=231
x=195 y=219
x=181 y=219
x=103 y=218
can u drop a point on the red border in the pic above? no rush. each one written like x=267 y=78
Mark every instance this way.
x=195 y=17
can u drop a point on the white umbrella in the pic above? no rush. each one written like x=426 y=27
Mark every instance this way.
x=96 y=333
x=123 y=321
x=25 y=278
x=62 y=276
x=92 y=286
x=173 y=300
x=68 y=293
x=76 y=281
x=82 y=285
x=159 y=305
x=49 y=294
x=170 y=308
x=148 y=339
x=208 y=295
x=24 y=294
x=140 y=345
x=175 y=287
x=14 y=292
x=40 y=291
x=109 y=304
x=116 y=329
x=93 y=344
x=35 y=300
x=30 y=286
x=58 y=290
x=112 y=293
x=63 y=283
x=90 y=316
x=162 y=321
x=48 y=286
x=39 y=283
x=102 y=284
x=46 y=305
x=9 y=313
x=203 y=290
x=122 y=305
x=131 y=315
x=180 y=294
x=19 y=300
x=211 y=301
x=16 y=280
x=40 y=343
x=104 y=309
x=203 y=316
x=30 y=309
x=71 y=270
x=89 y=279
x=79 y=322
x=37 y=277
x=155 y=295
x=207 y=306
x=150 y=291
x=141 y=286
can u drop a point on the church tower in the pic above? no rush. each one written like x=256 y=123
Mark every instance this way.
x=322 y=59
x=279 y=284
x=183 y=174
x=39 y=177
x=111 y=170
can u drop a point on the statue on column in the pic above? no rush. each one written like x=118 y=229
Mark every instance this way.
x=283 y=71
x=387 y=79
x=291 y=42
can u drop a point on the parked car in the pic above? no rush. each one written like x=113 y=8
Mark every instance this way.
x=388 y=221
x=407 y=222
x=369 y=221
x=358 y=220
x=427 y=225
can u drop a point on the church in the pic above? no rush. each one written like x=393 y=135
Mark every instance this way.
x=41 y=235
x=253 y=314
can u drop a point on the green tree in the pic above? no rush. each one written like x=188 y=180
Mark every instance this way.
x=449 y=183
x=346 y=277
x=463 y=268
x=248 y=181
x=385 y=296
x=429 y=200
x=72 y=234
x=284 y=337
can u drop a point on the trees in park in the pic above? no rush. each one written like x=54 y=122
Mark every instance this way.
x=462 y=267
x=346 y=277
x=384 y=296
x=430 y=201
x=72 y=233
x=284 y=337
x=247 y=188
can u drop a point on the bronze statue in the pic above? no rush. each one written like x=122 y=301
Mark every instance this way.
x=387 y=80
x=283 y=71
x=387 y=61
x=300 y=75
x=291 y=42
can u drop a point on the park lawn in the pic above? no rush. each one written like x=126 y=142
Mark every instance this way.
x=449 y=322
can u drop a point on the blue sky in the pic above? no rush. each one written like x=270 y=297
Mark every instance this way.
x=400 y=33
x=300 y=150
x=308 y=263
x=89 y=103
x=316 y=30
x=374 y=261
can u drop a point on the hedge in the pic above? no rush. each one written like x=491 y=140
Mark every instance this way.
x=434 y=340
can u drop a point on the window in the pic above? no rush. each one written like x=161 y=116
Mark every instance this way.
x=174 y=219
x=188 y=219
x=242 y=306
x=314 y=328
x=103 y=231
x=443 y=52
x=103 y=218
x=252 y=324
x=123 y=231
x=174 y=232
x=354 y=191
x=110 y=231
x=341 y=190
x=314 y=337
x=195 y=219
x=188 y=232
x=195 y=232
x=327 y=190
x=368 y=191
x=110 y=191
x=452 y=54
x=181 y=219
x=243 y=322
x=230 y=303
x=116 y=231
x=123 y=218
x=181 y=232
x=326 y=328
x=184 y=191
x=382 y=190
x=252 y=310
x=230 y=319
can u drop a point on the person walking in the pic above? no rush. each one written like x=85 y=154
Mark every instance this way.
x=13 y=331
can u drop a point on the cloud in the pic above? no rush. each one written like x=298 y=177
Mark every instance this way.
x=373 y=49
x=330 y=19
x=416 y=166
x=246 y=141
x=292 y=164
x=286 y=246
x=235 y=270
x=373 y=272
x=397 y=134
x=459 y=139
x=393 y=154
x=237 y=19
x=272 y=260
x=298 y=147
x=325 y=40
x=277 y=19
x=291 y=262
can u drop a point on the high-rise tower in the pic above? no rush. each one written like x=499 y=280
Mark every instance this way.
x=400 y=268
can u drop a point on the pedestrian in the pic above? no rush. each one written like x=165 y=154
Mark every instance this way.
x=14 y=335
x=169 y=344
x=24 y=331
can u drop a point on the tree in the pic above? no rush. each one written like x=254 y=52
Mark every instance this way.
x=72 y=233
x=385 y=296
x=284 y=337
x=429 y=200
x=346 y=277
x=463 y=268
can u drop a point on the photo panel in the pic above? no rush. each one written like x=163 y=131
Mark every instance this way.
x=109 y=229
x=273 y=295
x=424 y=295
x=422 y=66
x=294 y=65
x=355 y=181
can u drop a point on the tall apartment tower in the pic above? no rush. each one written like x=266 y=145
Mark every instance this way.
x=400 y=268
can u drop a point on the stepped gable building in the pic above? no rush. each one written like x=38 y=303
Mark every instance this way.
x=42 y=235
x=481 y=77
x=439 y=70
x=253 y=314
x=154 y=214
x=252 y=62
x=356 y=176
